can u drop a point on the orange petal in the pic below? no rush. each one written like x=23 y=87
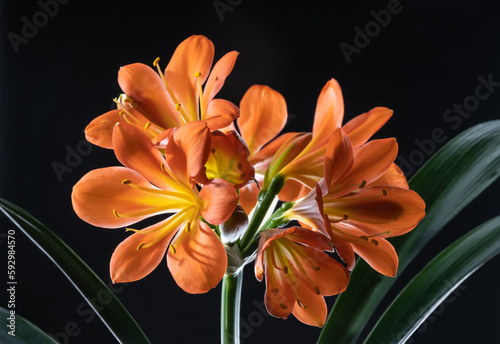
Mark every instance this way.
x=129 y=264
x=100 y=130
x=338 y=158
x=380 y=256
x=370 y=161
x=220 y=199
x=279 y=297
x=218 y=76
x=220 y=114
x=263 y=115
x=148 y=92
x=136 y=151
x=197 y=259
x=362 y=127
x=310 y=308
x=292 y=191
x=187 y=71
x=393 y=177
x=248 y=197
x=187 y=151
x=329 y=111
x=100 y=195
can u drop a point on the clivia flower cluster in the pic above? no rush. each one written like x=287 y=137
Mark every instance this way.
x=216 y=173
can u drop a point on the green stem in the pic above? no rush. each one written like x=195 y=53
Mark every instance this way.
x=266 y=198
x=230 y=308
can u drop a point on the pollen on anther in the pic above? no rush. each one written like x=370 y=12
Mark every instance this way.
x=140 y=246
x=316 y=289
x=197 y=74
x=155 y=62
x=345 y=217
x=147 y=126
x=365 y=238
x=162 y=166
x=172 y=249
x=126 y=181
x=384 y=192
x=115 y=213
x=285 y=269
x=283 y=306
x=362 y=185
x=188 y=227
x=177 y=106
x=375 y=242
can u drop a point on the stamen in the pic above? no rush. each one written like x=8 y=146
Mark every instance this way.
x=155 y=62
x=275 y=290
x=177 y=106
x=162 y=167
x=363 y=237
x=188 y=227
x=172 y=249
x=375 y=242
x=126 y=181
x=285 y=270
x=362 y=185
x=140 y=246
x=197 y=74
x=147 y=126
x=115 y=213
x=283 y=306
x=345 y=217
x=384 y=192
x=316 y=289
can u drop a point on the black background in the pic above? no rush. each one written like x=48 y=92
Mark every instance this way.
x=425 y=60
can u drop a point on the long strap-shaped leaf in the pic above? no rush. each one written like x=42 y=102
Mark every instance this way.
x=114 y=315
x=449 y=181
x=20 y=331
x=435 y=282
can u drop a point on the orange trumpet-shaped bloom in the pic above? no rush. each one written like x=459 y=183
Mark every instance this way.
x=365 y=199
x=298 y=273
x=156 y=101
x=306 y=165
x=152 y=184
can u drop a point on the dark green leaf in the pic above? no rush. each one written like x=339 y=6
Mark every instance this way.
x=436 y=282
x=449 y=181
x=21 y=330
x=114 y=315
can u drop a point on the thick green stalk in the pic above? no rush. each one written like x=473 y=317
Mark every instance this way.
x=266 y=198
x=230 y=308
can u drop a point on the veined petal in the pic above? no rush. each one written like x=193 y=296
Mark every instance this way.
x=100 y=130
x=263 y=115
x=371 y=160
x=130 y=262
x=219 y=201
x=338 y=158
x=148 y=92
x=220 y=114
x=292 y=191
x=362 y=127
x=218 y=76
x=197 y=259
x=310 y=308
x=393 y=177
x=380 y=256
x=136 y=151
x=187 y=71
x=279 y=297
x=101 y=196
x=187 y=152
x=248 y=196
x=329 y=111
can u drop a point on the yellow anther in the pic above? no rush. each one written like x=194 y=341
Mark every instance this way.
x=126 y=181
x=115 y=213
x=188 y=227
x=128 y=100
x=155 y=62
x=172 y=249
x=316 y=289
x=147 y=126
x=197 y=74
x=140 y=246
x=162 y=166
x=177 y=106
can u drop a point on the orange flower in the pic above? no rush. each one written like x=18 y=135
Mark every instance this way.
x=298 y=273
x=306 y=165
x=154 y=102
x=149 y=185
x=365 y=199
